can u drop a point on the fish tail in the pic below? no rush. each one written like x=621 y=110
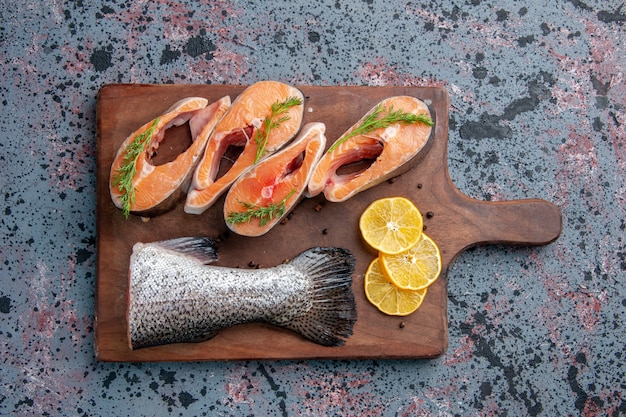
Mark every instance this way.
x=333 y=312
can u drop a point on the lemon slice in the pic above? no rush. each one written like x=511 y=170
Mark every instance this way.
x=391 y=225
x=386 y=296
x=415 y=268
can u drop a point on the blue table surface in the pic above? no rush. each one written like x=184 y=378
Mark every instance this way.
x=537 y=111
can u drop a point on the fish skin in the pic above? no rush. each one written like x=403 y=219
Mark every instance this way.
x=176 y=297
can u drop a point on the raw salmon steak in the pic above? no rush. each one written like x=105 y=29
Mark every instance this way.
x=266 y=193
x=138 y=186
x=261 y=120
x=376 y=148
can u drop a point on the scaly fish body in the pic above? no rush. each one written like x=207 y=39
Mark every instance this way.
x=175 y=297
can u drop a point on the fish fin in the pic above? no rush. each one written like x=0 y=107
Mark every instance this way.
x=201 y=248
x=333 y=313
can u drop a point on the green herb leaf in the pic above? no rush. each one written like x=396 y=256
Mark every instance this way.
x=374 y=121
x=264 y=214
x=123 y=177
x=271 y=122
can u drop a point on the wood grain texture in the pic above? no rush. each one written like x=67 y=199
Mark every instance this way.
x=459 y=222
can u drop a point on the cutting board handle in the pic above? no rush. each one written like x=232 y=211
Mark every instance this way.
x=516 y=222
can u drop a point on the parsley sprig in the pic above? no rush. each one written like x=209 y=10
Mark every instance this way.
x=263 y=213
x=271 y=122
x=123 y=177
x=375 y=121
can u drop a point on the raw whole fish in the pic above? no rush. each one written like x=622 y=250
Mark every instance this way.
x=139 y=187
x=261 y=120
x=388 y=136
x=266 y=193
x=174 y=296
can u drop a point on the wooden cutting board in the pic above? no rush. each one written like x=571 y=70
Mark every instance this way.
x=458 y=222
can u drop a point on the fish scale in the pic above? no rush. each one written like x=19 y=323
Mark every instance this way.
x=174 y=296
